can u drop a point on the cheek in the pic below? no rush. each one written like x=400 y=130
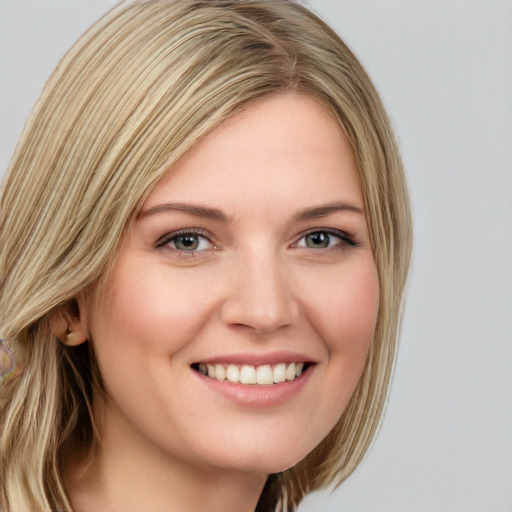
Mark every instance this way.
x=346 y=316
x=346 y=310
x=133 y=321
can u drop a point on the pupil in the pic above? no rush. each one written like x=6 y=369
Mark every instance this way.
x=187 y=243
x=317 y=240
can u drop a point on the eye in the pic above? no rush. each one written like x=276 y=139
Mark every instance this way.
x=186 y=241
x=319 y=240
x=325 y=239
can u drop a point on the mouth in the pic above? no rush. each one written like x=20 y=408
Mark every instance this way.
x=265 y=374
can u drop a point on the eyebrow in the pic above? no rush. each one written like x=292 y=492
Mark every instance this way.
x=194 y=209
x=208 y=212
x=325 y=210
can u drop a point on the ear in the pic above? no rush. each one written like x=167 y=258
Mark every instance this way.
x=68 y=323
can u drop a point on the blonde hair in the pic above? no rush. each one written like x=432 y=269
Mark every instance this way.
x=137 y=91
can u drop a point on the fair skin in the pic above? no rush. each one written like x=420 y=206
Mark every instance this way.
x=251 y=255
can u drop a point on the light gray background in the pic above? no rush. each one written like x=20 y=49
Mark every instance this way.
x=444 y=70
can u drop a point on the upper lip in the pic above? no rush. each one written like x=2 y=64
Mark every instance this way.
x=256 y=359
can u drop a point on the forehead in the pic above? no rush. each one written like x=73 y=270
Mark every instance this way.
x=288 y=147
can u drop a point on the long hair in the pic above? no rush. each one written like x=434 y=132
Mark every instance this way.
x=137 y=91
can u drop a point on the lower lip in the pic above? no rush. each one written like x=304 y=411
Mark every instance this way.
x=254 y=395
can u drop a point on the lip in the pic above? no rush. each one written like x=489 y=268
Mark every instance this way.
x=255 y=395
x=276 y=357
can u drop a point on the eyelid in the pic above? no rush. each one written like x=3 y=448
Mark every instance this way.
x=168 y=237
x=345 y=238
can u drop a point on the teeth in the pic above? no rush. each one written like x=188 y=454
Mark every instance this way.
x=290 y=372
x=280 y=373
x=248 y=374
x=265 y=374
x=211 y=370
x=233 y=373
x=220 y=372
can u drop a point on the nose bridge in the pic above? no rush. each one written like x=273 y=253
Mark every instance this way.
x=262 y=296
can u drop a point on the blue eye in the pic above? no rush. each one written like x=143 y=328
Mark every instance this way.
x=186 y=241
x=325 y=239
x=318 y=240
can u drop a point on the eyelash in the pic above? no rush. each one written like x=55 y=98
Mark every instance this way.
x=193 y=233
x=344 y=238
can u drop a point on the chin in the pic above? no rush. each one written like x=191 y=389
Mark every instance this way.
x=265 y=460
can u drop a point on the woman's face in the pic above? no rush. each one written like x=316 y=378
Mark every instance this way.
x=249 y=261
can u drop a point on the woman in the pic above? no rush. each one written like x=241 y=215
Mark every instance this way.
x=204 y=241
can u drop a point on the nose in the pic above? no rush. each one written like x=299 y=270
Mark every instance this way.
x=262 y=297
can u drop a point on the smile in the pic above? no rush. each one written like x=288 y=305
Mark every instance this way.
x=264 y=374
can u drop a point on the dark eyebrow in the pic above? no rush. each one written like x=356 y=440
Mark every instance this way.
x=193 y=209
x=324 y=210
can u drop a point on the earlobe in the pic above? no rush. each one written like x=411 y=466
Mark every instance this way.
x=68 y=324
x=74 y=338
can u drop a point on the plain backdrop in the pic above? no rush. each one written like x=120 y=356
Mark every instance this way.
x=444 y=70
